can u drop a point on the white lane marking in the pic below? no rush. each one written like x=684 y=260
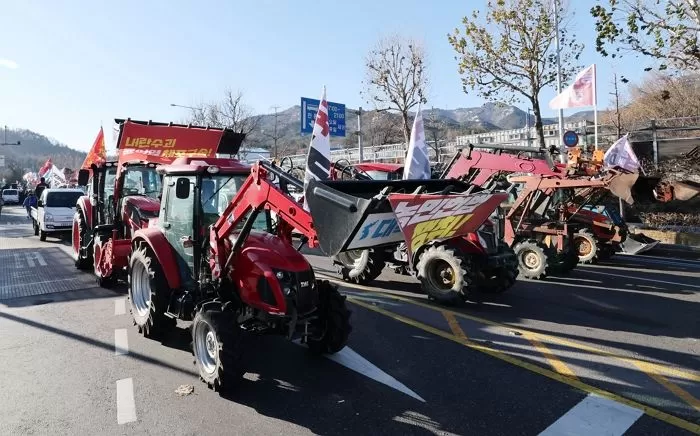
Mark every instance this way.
x=39 y=258
x=663 y=261
x=120 y=306
x=39 y=283
x=30 y=261
x=350 y=359
x=126 y=407
x=645 y=279
x=595 y=415
x=18 y=261
x=121 y=342
x=372 y=300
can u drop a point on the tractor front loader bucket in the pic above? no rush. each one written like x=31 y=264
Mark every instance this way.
x=353 y=215
x=637 y=243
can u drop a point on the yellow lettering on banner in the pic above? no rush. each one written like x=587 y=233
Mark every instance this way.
x=441 y=228
x=169 y=143
x=157 y=143
x=130 y=142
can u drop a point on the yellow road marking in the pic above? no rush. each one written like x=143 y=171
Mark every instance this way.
x=454 y=325
x=559 y=366
x=674 y=388
x=652 y=367
x=655 y=413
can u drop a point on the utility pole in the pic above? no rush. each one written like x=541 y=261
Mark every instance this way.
x=275 y=138
x=4 y=142
x=359 y=135
x=617 y=107
x=562 y=147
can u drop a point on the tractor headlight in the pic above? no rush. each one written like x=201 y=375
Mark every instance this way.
x=286 y=280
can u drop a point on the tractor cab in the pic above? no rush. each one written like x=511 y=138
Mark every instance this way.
x=196 y=193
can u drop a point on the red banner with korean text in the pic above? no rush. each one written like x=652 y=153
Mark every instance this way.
x=98 y=152
x=426 y=218
x=163 y=144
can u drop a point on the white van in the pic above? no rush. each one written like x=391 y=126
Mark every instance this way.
x=54 y=211
x=10 y=196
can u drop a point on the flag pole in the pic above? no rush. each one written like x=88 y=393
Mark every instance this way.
x=595 y=106
x=562 y=146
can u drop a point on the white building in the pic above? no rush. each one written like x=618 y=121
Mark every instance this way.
x=526 y=137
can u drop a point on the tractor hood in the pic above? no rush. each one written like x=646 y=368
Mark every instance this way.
x=268 y=251
x=149 y=207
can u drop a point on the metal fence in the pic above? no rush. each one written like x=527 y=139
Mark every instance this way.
x=654 y=141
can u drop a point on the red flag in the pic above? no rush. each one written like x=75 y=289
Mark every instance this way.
x=47 y=166
x=98 y=153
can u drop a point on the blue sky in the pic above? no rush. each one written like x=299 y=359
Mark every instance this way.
x=68 y=66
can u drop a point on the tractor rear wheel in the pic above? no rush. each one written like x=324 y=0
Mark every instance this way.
x=532 y=260
x=445 y=276
x=148 y=293
x=562 y=263
x=333 y=321
x=217 y=344
x=360 y=266
x=79 y=235
x=586 y=246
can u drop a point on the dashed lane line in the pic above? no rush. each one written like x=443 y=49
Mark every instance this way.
x=126 y=407
x=119 y=306
x=121 y=342
x=655 y=413
x=592 y=416
x=666 y=282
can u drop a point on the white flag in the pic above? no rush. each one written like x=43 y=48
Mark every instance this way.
x=581 y=93
x=620 y=154
x=417 y=164
x=318 y=160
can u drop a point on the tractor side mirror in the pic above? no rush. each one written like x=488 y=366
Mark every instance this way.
x=182 y=188
x=83 y=177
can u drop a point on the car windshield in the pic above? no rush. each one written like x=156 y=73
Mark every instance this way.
x=62 y=199
x=217 y=193
x=10 y=192
x=142 y=181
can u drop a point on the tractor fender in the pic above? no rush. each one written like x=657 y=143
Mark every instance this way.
x=84 y=206
x=163 y=251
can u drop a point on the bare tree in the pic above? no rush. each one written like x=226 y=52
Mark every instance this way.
x=616 y=117
x=663 y=96
x=437 y=132
x=664 y=30
x=230 y=112
x=384 y=128
x=511 y=54
x=395 y=77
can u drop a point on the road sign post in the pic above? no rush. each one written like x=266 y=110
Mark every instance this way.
x=570 y=138
x=336 y=116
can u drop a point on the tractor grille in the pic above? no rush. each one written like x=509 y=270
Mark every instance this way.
x=306 y=296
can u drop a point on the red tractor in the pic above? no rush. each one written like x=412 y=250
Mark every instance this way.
x=124 y=196
x=216 y=256
x=598 y=236
x=485 y=263
x=538 y=224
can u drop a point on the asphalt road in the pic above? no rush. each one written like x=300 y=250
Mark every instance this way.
x=610 y=349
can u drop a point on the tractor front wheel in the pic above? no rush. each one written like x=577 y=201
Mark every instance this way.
x=217 y=344
x=79 y=235
x=148 y=293
x=586 y=246
x=333 y=321
x=445 y=276
x=504 y=277
x=360 y=266
x=532 y=260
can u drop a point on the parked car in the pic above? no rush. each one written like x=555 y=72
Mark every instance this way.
x=10 y=196
x=54 y=211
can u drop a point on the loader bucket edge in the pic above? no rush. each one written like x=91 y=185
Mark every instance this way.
x=637 y=244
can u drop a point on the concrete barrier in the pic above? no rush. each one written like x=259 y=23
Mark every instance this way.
x=671 y=237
